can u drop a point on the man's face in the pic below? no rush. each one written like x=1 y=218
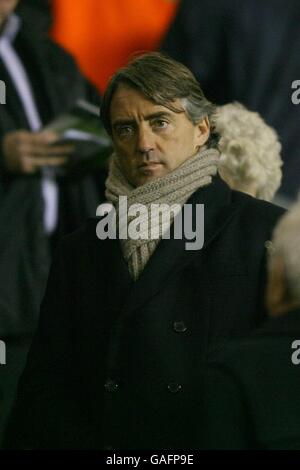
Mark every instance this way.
x=150 y=139
x=6 y=8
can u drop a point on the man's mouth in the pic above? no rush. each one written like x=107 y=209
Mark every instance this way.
x=150 y=167
x=150 y=164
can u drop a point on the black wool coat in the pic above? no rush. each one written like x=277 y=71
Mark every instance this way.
x=114 y=362
x=251 y=395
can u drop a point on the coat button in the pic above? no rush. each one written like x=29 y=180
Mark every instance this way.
x=268 y=244
x=179 y=326
x=174 y=387
x=111 y=386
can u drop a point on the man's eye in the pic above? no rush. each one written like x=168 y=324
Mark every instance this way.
x=160 y=123
x=124 y=131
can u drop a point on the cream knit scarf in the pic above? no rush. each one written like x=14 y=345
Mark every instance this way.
x=174 y=188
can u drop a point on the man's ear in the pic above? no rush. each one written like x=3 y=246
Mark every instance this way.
x=202 y=132
x=277 y=299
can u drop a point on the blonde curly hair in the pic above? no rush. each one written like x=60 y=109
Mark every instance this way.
x=250 y=151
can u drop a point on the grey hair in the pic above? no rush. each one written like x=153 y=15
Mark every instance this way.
x=196 y=112
x=250 y=150
x=286 y=244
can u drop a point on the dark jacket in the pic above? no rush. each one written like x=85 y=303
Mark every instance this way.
x=114 y=363
x=251 y=392
x=24 y=248
x=248 y=52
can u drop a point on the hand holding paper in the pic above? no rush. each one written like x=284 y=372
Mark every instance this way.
x=28 y=152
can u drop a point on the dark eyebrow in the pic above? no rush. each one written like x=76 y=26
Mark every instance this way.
x=123 y=122
x=159 y=114
x=148 y=117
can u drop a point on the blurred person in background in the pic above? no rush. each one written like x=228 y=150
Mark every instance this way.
x=250 y=398
x=250 y=152
x=247 y=52
x=44 y=192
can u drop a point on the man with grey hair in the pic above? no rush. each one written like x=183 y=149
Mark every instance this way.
x=251 y=395
x=128 y=320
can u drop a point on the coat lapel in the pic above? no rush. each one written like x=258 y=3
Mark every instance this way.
x=171 y=255
x=106 y=256
x=48 y=81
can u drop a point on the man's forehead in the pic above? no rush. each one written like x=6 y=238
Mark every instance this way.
x=127 y=101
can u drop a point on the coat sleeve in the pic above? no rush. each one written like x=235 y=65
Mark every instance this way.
x=46 y=412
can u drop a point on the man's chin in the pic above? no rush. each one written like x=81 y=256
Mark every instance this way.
x=146 y=178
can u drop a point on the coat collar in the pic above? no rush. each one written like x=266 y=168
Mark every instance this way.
x=170 y=255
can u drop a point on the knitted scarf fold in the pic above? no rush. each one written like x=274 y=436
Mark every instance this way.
x=174 y=188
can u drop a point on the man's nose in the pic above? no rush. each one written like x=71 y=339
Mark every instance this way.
x=145 y=140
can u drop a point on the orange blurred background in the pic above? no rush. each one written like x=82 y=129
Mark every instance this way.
x=102 y=34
